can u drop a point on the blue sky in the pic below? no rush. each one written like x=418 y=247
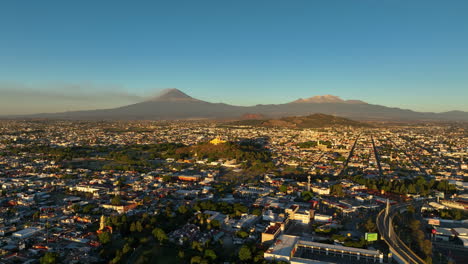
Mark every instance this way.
x=410 y=54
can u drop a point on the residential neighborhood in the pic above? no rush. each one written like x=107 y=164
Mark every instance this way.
x=209 y=192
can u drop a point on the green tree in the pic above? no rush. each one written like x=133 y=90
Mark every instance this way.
x=116 y=200
x=182 y=209
x=126 y=248
x=76 y=208
x=370 y=225
x=195 y=260
x=138 y=226
x=283 y=188
x=257 y=212
x=118 y=257
x=245 y=254
x=104 y=237
x=160 y=235
x=426 y=247
x=197 y=246
x=337 y=190
x=167 y=178
x=259 y=257
x=457 y=214
x=242 y=234
x=403 y=189
x=306 y=196
x=209 y=253
x=49 y=258
x=132 y=227
x=418 y=236
x=240 y=209
x=428 y=260
x=414 y=225
x=36 y=215
x=215 y=224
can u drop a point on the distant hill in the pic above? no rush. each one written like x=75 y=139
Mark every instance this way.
x=310 y=121
x=174 y=104
x=252 y=117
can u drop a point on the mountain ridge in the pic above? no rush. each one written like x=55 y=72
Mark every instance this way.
x=173 y=104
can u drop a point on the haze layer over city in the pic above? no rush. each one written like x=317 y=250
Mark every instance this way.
x=234 y=132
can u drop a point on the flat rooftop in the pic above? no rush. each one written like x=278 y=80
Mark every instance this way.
x=283 y=246
x=273 y=228
x=339 y=248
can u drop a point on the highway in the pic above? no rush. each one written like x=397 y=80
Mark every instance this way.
x=385 y=227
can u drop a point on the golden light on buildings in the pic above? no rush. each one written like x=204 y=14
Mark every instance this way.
x=217 y=141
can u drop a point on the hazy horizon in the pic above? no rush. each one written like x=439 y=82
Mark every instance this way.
x=58 y=98
x=60 y=56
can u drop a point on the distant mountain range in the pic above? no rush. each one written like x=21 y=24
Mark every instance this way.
x=310 y=121
x=174 y=104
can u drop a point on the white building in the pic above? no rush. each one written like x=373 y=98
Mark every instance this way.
x=320 y=190
x=27 y=232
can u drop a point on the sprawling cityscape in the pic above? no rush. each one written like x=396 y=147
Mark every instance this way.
x=216 y=192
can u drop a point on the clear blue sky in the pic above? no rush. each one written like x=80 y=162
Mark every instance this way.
x=403 y=53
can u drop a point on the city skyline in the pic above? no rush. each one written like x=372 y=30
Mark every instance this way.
x=392 y=53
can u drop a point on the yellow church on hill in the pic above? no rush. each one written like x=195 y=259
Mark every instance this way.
x=217 y=141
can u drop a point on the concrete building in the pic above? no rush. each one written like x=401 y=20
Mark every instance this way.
x=298 y=214
x=462 y=234
x=297 y=250
x=320 y=190
x=323 y=218
x=221 y=218
x=443 y=234
x=271 y=232
x=455 y=204
x=27 y=232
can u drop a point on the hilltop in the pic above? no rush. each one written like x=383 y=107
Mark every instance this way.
x=310 y=121
x=172 y=95
x=328 y=98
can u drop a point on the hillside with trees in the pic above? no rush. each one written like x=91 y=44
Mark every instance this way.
x=310 y=121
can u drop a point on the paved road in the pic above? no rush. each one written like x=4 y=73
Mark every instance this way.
x=377 y=156
x=345 y=165
x=385 y=226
